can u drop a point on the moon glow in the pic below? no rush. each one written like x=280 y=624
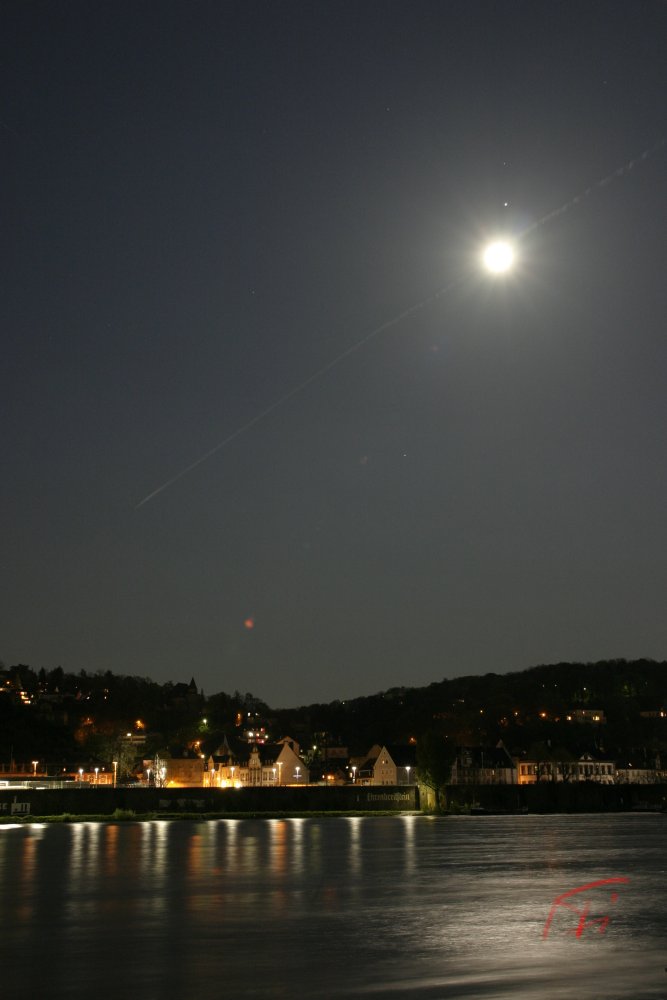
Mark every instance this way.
x=498 y=257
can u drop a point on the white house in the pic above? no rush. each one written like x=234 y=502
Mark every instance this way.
x=395 y=765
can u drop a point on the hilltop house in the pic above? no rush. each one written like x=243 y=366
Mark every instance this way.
x=590 y=716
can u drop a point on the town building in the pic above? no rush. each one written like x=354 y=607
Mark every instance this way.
x=486 y=765
x=238 y=764
x=590 y=716
x=395 y=765
x=183 y=770
x=362 y=768
x=636 y=770
x=556 y=768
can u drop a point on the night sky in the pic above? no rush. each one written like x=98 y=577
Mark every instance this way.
x=204 y=204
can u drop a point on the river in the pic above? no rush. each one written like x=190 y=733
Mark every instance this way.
x=395 y=907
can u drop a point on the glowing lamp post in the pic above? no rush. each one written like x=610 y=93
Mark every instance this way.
x=407 y=771
x=115 y=772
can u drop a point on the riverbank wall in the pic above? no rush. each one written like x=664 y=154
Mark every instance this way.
x=88 y=800
x=550 y=797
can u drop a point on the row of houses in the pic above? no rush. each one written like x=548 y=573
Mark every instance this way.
x=237 y=765
x=240 y=764
x=495 y=765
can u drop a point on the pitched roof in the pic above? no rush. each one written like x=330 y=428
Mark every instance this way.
x=483 y=757
x=402 y=755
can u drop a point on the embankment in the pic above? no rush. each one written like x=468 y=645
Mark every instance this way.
x=91 y=801
x=550 y=797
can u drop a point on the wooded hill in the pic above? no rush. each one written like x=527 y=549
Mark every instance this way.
x=50 y=714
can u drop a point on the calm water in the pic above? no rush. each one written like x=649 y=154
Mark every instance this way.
x=386 y=907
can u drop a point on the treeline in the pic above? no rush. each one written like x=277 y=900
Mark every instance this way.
x=520 y=708
x=67 y=715
x=85 y=717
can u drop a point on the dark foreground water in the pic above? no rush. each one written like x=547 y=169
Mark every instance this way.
x=390 y=907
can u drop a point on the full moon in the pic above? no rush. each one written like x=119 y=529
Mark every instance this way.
x=498 y=257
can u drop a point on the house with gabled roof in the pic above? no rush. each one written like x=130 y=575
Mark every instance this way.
x=361 y=767
x=483 y=765
x=395 y=765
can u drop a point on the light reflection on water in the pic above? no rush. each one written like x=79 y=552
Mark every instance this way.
x=390 y=906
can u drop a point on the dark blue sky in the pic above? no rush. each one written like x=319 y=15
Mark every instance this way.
x=203 y=204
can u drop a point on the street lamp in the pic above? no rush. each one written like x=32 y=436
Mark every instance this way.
x=407 y=770
x=81 y=775
x=354 y=773
x=297 y=773
x=115 y=772
x=97 y=772
x=274 y=775
x=34 y=768
x=280 y=772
